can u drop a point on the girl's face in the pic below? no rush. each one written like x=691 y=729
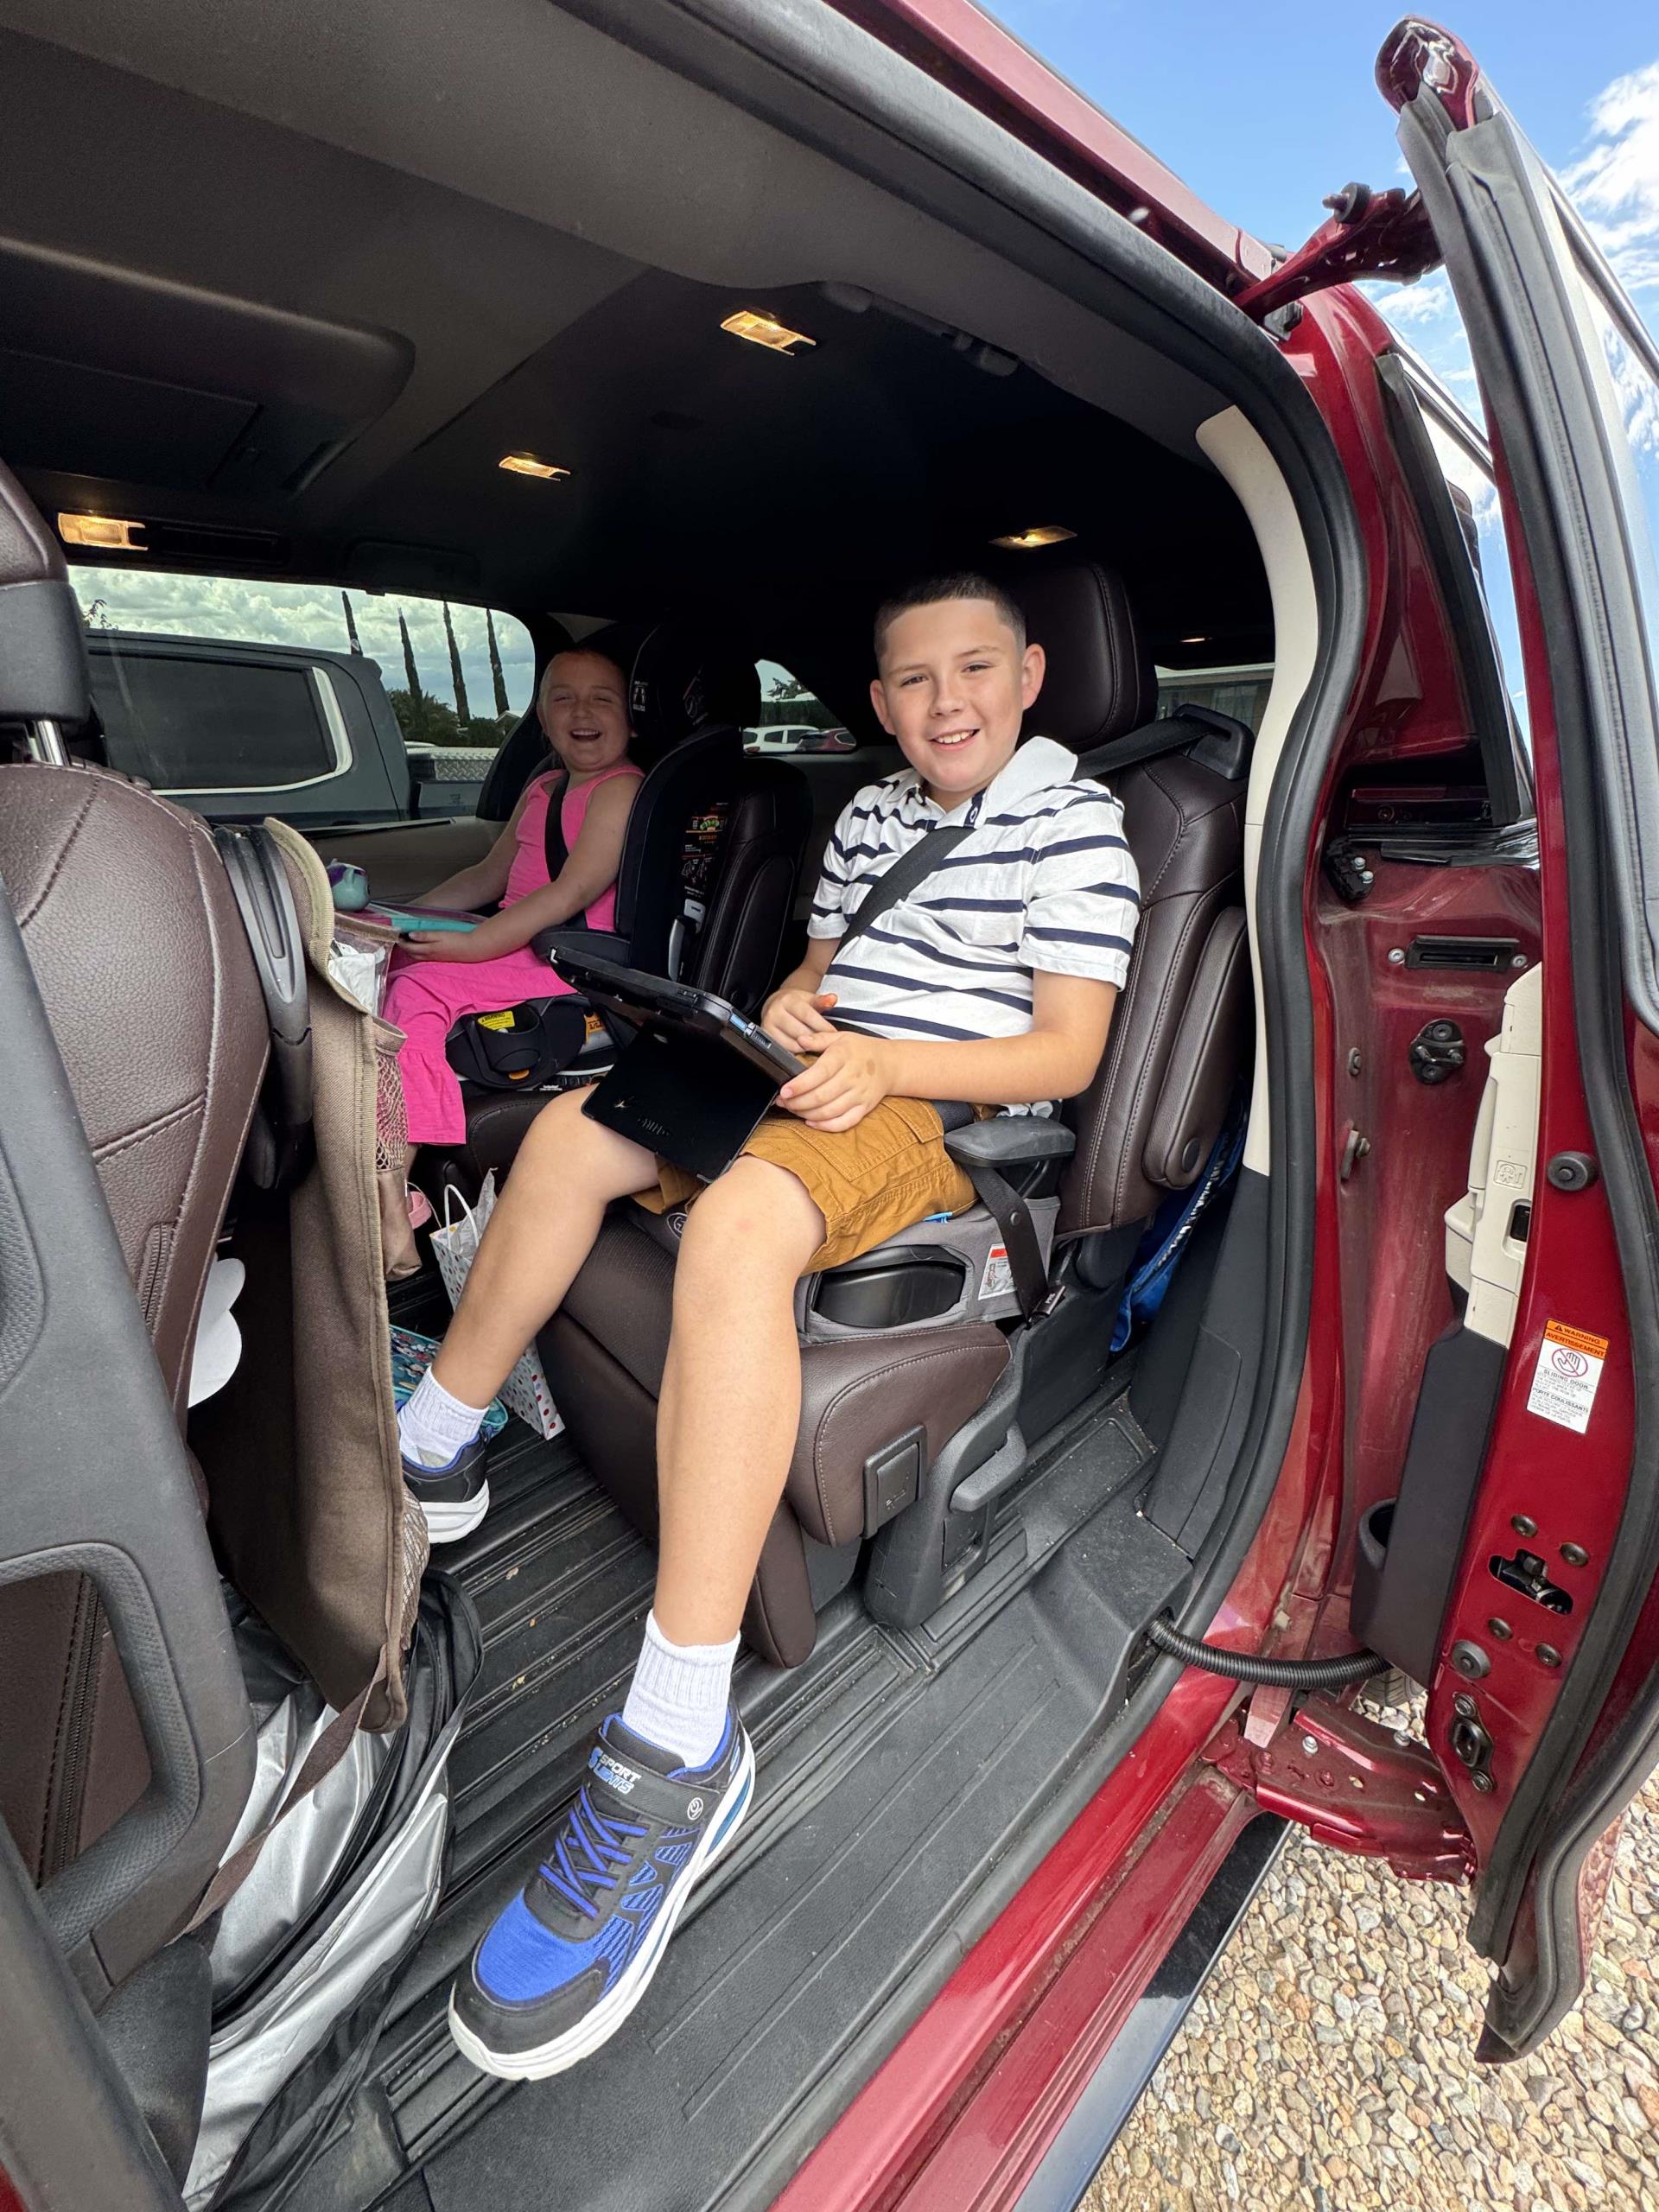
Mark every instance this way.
x=584 y=711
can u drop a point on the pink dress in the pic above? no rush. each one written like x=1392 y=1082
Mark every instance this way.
x=426 y=998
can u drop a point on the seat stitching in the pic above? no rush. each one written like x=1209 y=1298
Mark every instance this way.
x=1159 y=1017
x=157 y=1122
x=27 y=915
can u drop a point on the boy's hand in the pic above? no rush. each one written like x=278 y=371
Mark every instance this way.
x=849 y=1076
x=797 y=1019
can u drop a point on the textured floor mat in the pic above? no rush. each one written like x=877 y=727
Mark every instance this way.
x=893 y=1767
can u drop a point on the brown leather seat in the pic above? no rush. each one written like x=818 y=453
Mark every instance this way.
x=880 y=1399
x=144 y=966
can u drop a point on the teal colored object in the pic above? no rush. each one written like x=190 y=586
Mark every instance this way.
x=401 y=918
x=349 y=884
x=411 y=1355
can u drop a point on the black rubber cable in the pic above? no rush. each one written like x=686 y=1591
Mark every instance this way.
x=1278 y=1673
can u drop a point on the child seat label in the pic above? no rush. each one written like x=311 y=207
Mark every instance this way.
x=1568 y=1376
x=999 y=1275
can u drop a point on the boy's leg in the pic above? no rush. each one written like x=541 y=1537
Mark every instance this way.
x=568 y=1171
x=731 y=1397
x=669 y=1779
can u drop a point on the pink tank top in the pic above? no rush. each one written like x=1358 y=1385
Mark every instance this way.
x=529 y=870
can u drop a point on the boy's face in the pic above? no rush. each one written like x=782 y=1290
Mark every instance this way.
x=583 y=710
x=953 y=688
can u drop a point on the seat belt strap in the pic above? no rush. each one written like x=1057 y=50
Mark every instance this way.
x=902 y=876
x=553 y=836
x=1018 y=1231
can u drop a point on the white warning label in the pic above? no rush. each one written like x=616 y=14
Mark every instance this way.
x=998 y=1276
x=1568 y=1376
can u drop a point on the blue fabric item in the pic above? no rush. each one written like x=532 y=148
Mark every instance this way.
x=1160 y=1251
x=590 y=1853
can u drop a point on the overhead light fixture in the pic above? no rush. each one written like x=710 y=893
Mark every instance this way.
x=1195 y=641
x=102 y=533
x=1042 y=533
x=530 y=464
x=765 y=330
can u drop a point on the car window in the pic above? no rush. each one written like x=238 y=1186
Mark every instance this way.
x=1624 y=368
x=457 y=677
x=1240 y=692
x=186 y=723
x=788 y=710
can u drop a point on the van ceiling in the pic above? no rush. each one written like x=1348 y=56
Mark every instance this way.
x=431 y=323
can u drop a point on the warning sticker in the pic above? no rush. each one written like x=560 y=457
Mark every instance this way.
x=998 y=1276
x=1568 y=1376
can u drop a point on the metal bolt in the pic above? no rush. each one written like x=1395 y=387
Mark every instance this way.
x=1463 y=1705
x=1549 y=1655
x=1310 y=1745
x=1523 y=1524
x=1517 y=960
x=1501 y=1630
x=1397 y=957
x=1469 y=1659
x=1355 y=1063
x=1575 y=1555
x=1482 y=1782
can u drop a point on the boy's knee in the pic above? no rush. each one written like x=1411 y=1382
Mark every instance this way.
x=754 y=1214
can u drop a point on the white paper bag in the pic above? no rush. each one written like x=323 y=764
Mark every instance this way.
x=454 y=1246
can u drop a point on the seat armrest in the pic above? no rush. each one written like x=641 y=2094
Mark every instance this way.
x=1009 y=1139
x=598 y=945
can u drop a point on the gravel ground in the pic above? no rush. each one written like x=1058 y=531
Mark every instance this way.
x=1329 y=2062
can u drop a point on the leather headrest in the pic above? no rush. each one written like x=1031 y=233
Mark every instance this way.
x=1100 y=680
x=43 y=652
x=681 y=683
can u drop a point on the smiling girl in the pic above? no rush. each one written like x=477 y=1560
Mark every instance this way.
x=442 y=978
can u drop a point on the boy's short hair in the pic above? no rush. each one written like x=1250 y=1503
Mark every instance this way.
x=929 y=591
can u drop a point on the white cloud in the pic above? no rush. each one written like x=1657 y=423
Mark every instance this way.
x=1614 y=183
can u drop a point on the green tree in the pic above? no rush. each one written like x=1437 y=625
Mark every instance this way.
x=503 y=706
x=463 y=712
x=409 y=669
x=425 y=720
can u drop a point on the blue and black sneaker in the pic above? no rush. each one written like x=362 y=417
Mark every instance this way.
x=574 y=1953
x=456 y=1497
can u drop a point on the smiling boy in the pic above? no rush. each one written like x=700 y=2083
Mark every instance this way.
x=992 y=982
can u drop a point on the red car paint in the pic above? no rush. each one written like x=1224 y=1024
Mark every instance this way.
x=961 y=2112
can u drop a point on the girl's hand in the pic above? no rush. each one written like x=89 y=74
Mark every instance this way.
x=797 y=1019
x=850 y=1075
x=454 y=944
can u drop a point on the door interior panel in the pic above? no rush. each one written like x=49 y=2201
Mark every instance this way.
x=404 y=859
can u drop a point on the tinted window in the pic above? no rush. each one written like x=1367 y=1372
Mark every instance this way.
x=210 y=725
x=456 y=676
x=1240 y=692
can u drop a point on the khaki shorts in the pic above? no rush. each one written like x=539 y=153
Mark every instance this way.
x=867 y=1182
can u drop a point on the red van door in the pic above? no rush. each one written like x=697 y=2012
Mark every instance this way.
x=1543 y=1667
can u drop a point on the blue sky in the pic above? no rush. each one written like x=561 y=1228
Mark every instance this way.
x=1266 y=108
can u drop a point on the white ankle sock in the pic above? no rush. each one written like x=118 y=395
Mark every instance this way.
x=433 y=1425
x=679 y=1694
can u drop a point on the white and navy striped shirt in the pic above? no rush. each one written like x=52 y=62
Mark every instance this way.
x=1044 y=880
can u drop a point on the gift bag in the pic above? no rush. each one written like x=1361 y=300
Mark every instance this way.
x=454 y=1246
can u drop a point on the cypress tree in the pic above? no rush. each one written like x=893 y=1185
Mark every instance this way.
x=502 y=704
x=354 y=643
x=410 y=670
x=463 y=714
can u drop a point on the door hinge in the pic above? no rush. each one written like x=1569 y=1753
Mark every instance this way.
x=1369 y=234
x=1352 y=1782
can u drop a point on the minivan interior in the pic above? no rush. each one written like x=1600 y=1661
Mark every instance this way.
x=287 y=302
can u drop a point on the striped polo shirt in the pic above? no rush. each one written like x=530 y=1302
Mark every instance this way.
x=1044 y=879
